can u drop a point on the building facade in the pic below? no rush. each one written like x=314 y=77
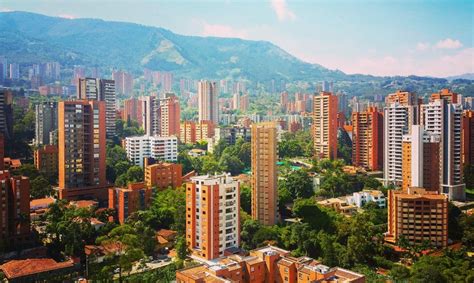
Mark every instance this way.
x=82 y=149
x=367 y=139
x=417 y=216
x=46 y=160
x=100 y=90
x=125 y=201
x=132 y=110
x=445 y=119
x=163 y=175
x=421 y=160
x=264 y=173
x=46 y=118
x=468 y=137
x=325 y=125
x=208 y=94
x=159 y=148
x=14 y=210
x=170 y=116
x=151 y=115
x=212 y=215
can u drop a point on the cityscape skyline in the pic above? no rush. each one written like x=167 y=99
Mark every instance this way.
x=430 y=47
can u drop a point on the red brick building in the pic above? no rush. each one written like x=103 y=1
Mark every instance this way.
x=125 y=201
x=163 y=175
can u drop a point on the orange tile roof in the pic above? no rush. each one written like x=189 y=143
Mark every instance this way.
x=84 y=203
x=42 y=202
x=20 y=268
x=165 y=233
x=161 y=240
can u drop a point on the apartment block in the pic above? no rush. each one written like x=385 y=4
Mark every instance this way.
x=367 y=139
x=100 y=90
x=188 y=132
x=363 y=197
x=170 y=116
x=400 y=113
x=125 y=201
x=14 y=210
x=418 y=216
x=82 y=149
x=421 y=160
x=233 y=133
x=162 y=175
x=445 y=119
x=46 y=159
x=468 y=137
x=212 y=215
x=151 y=115
x=208 y=94
x=448 y=95
x=267 y=264
x=325 y=109
x=132 y=110
x=264 y=173
x=46 y=118
x=205 y=130
x=159 y=148
x=124 y=82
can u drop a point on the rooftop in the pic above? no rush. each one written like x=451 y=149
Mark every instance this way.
x=20 y=268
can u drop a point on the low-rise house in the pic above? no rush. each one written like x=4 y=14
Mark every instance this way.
x=38 y=269
x=40 y=206
x=340 y=205
x=359 y=199
x=165 y=238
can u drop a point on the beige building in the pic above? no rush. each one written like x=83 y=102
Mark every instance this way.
x=264 y=173
x=325 y=125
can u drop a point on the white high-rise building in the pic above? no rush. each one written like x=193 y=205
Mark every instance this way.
x=101 y=90
x=396 y=124
x=444 y=118
x=46 y=121
x=208 y=101
x=160 y=148
x=14 y=71
x=212 y=215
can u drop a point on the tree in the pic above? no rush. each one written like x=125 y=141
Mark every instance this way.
x=209 y=165
x=40 y=188
x=309 y=212
x=246 y=198
x=135 y=174
x=231 y=164
x=127 y=246
x=299 y=184
x=219 y=148
x=182 y=248
x=185 y=160
x=427 y=270
x=400 y=273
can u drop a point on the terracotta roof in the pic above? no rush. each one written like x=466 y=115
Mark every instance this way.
x=15 y=163
x=20 y=268
x=84 y=203
x=42 y=202
x=166 y=233
x=161 y=240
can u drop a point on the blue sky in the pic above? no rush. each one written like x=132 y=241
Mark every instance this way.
x=377 y=37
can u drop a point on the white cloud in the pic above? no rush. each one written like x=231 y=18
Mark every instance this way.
x=282 y=11
x=448 y=43
x=4 y=9
x=422 y=46
x=223 y=31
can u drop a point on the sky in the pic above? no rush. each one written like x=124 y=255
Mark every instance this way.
x=402 y=37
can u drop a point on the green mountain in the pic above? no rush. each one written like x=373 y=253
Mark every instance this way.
x=30 y=38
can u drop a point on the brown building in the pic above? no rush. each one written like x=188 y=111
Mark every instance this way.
x=264 y=173
x=14 y=210
x=468 y=137
x=188 y=132
x=2 y=151
x=204 y=130
x=403 y=98
x=82 y=149
x=421 y=160
x=170 y=116
x=447 y=95
x=38 y=269
x=132 y=110
x=325 y=109
x=367 y=139
x=125 y=201
x=46 y=160
x=163 y=175
x=417 y=216
x=267 y=264
x=212 y=215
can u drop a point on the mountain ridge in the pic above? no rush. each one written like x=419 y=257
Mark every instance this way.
x=113 y=44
